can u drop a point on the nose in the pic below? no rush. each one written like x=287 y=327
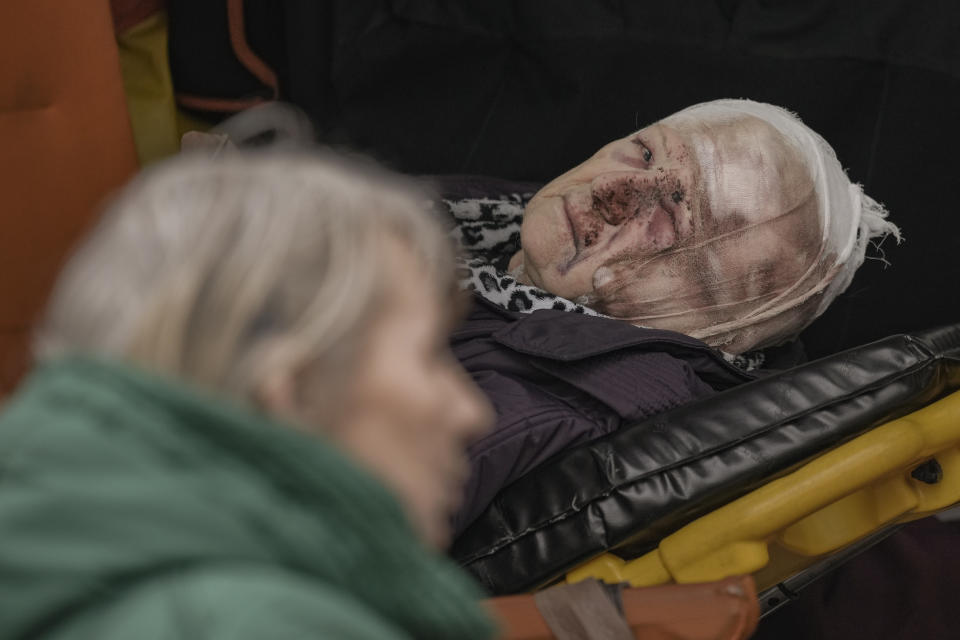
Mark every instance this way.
x=620 y=196
x=470 y=413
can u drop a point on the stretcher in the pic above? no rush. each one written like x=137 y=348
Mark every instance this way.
x=905 y=469
x=798 y=471
x=782 y=478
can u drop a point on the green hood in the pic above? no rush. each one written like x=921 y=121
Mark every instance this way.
x=112 y=480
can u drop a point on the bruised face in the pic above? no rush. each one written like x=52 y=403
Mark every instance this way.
x=684 y=225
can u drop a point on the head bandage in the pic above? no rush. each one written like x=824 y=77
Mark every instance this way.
x=849 y=220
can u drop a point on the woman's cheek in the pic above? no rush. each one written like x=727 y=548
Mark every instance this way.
x=633 y=287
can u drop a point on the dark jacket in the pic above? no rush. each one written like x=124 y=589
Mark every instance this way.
x=132 y=507
x=557 y=379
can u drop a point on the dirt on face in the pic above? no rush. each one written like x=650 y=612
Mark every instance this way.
x=619 y=200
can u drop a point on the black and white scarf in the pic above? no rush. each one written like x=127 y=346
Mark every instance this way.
x=487 y=233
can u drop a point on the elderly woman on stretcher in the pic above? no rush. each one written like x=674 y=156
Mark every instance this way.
x=658 y=272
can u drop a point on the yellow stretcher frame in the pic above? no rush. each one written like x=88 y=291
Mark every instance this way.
x=905 y=469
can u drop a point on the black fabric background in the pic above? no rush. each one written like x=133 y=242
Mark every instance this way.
x=525 y=90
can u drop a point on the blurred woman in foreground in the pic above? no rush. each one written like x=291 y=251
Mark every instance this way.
x=172 y=467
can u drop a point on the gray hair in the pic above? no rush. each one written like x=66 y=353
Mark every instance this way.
x=225 y=271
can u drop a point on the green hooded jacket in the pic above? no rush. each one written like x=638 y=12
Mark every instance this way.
x=133 y=507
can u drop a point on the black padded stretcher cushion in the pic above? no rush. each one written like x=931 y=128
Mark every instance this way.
x=626 y=491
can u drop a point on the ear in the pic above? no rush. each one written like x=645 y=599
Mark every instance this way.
x=278 y=395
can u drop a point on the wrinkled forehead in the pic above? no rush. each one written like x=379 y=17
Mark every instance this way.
x=748 y=169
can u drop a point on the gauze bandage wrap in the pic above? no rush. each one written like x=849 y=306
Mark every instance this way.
x=782 y=232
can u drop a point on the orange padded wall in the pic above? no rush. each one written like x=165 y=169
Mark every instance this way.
x=65 y=144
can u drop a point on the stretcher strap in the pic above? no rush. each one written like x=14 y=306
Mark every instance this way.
x=582 y=611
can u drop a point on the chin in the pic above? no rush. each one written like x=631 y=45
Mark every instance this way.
x=438 y=536
x=546 y=267
x=570 y=284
